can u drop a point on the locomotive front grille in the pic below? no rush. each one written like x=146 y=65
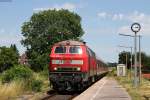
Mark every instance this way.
x=67 y=69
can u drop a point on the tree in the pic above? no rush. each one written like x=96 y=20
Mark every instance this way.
x=13 y=46
x=46 y=28
x=145 y=60
x=112 y=64
x=122 y=58
x=8 y=58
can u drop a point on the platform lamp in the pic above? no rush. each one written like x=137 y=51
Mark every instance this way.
x=135 y=27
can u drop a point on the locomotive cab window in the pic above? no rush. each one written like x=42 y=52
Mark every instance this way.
x=75 y=50
x=60 y=49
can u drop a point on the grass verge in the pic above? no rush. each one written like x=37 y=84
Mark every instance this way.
x=142 y=92
x=11 y=90
x=33 y=89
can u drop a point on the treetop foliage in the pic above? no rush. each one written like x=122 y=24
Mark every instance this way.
x=46 y=28
x=8 y=57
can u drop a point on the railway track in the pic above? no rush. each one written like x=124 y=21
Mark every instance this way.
x=53 y=95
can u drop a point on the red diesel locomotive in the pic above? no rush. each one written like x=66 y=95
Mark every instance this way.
x=73 y=66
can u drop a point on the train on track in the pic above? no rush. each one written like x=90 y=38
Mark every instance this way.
x=74 y=66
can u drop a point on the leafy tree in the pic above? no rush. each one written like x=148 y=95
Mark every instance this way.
x=13 y=46
x=122 y=58
x=145 y=60
x=46 y=28
x=8 y=58
x=112 y=64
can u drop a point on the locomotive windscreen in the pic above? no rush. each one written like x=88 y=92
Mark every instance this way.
x=75 y=49
x=60 y=49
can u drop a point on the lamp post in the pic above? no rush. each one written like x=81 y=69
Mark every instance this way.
x=140 y=72
x=135 y=27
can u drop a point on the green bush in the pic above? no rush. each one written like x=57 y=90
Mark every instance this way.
x=112 y=72
x=36 y=85
x=44 y=73
x=18 y=72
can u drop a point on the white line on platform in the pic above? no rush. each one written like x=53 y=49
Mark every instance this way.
x=93 y=97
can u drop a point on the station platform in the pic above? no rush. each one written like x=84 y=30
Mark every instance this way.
x=104 y=89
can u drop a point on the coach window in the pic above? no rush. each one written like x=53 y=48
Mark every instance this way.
x=75 y=50
x=60 y=49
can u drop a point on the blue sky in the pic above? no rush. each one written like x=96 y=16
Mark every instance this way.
x=102 y=21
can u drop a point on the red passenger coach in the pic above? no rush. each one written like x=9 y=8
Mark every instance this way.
x=73 y=66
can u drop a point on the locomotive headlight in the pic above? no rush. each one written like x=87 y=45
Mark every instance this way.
x=55 y=68
x=78 y=68
x=77 y=62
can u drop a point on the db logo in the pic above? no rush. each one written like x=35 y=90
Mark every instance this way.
x=67 y=61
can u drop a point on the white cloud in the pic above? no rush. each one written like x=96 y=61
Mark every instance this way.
x=9 y=38
x=125 y=30
x=110 y=15
x=102 y=14
x=40 y=9
x=135 y=16
x=117 y=17
x=145 y=29
x=68 y=6
x=143 y=19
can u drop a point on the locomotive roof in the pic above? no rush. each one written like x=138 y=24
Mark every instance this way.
x=70 y=42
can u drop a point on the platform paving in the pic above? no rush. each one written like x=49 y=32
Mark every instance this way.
x=104 y=89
